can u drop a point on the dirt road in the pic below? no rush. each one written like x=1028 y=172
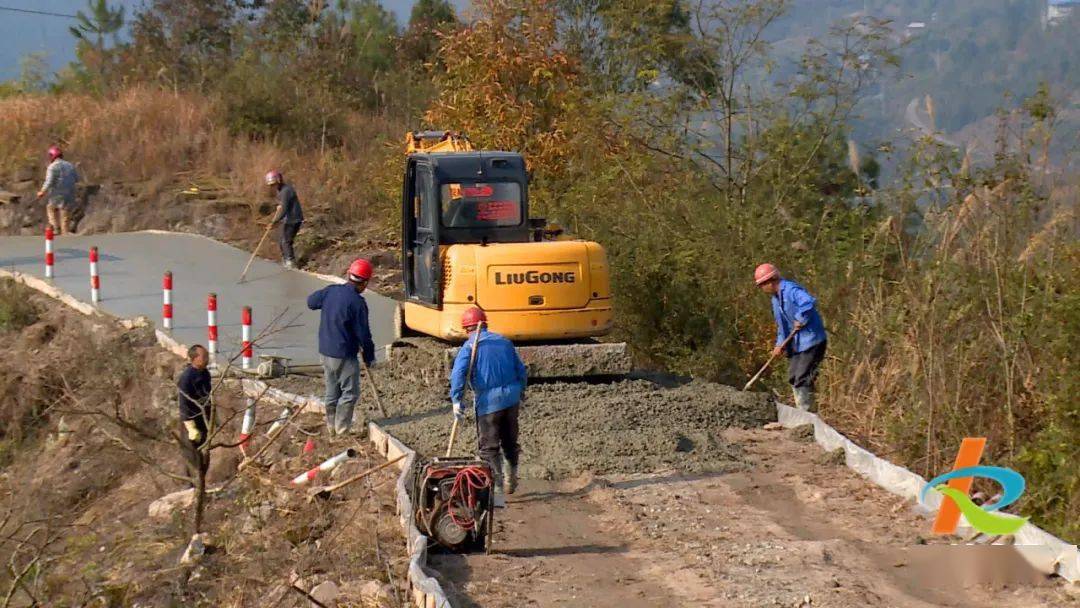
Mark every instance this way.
x=791 y=530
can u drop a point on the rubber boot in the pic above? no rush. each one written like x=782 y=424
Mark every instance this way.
x=512 y=479
x=497 y=483
x=331 y=420
x=804 y=399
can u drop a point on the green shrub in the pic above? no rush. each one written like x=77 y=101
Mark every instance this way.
x=16 y=312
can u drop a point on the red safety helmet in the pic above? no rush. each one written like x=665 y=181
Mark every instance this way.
x=472 y=317
x=765 y=273
x=274 y=177
x=55 y=152
x=360 y=270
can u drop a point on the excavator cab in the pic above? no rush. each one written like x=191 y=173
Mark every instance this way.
x=458 y=198
x=467 y=240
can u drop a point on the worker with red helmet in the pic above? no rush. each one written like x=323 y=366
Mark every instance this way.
x=497 y=378
x=59 y=185
x=288 y=213
x=344 y=333
x=794 y=310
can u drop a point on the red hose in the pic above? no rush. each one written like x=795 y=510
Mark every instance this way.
x=467 y=483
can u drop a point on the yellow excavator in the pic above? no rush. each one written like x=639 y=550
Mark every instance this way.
x=467 y=240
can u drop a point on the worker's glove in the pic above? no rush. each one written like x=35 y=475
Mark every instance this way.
x=799 y=325
x=192 y=431
x=458 y=412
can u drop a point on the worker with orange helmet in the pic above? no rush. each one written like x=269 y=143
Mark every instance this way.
x=59 y=185
x=288 y=213
x=794 y=310
x=497 y=378
x=344 y=333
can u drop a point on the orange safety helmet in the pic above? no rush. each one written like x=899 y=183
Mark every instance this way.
x=360 y=270
x=472 y=317
x=765 y=273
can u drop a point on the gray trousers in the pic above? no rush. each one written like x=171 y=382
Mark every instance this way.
x=288 y=235
x=802 y=372
x=342 y=389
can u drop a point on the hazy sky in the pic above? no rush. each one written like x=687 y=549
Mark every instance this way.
x=23 y=33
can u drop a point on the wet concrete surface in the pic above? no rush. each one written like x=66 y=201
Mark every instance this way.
x=131 y=266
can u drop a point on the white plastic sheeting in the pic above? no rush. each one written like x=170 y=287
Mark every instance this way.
x=1045 y=551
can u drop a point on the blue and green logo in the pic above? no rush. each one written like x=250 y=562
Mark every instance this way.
x=956 y=501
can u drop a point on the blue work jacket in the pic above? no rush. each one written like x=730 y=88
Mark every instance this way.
x=791 y=304
x=343 y=324
x=498 y=376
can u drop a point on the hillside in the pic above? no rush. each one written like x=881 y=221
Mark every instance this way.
x=950 y=289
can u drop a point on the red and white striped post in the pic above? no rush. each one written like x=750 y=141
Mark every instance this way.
x=49 y=252
x=211 y=327
x=166 y=301
x=95 y=280
x=285 y=413
x=249 y=424
x=328 y=465
x=245 y=337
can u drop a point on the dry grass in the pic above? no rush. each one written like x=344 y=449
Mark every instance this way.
x=166 y=140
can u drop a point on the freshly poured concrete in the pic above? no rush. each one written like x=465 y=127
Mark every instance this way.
x=131 y=266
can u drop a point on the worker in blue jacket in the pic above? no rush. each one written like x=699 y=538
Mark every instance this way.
x=794 y=311
x=498 y=381
x=343 y=334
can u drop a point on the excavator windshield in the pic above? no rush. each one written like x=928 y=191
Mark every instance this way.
x=481 y=205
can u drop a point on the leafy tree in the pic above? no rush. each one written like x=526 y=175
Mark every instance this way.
x=33 y=72
x=505 y=81
x=428 y=19
x=92 y=29
x=101 y=22
x=187 y=42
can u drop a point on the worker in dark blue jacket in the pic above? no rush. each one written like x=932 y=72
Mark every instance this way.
x=194 y=397
x=343 y=333
x=498 y=379
x=794 y=310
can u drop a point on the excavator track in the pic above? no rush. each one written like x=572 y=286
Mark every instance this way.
x=563 y=360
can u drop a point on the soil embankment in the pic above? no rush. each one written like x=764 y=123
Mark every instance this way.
x=87 y=443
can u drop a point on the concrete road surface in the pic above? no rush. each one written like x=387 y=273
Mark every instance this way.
x=131 y=266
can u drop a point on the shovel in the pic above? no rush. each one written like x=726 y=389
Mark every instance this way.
x=468 y=378
x=254 y=253
x=374 y=391
x=783 y=345
x=325 y=491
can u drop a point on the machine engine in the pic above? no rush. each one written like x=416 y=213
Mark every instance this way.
x=453 y=500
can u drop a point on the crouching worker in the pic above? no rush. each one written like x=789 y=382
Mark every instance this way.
x=497 y=377
x=193 y=390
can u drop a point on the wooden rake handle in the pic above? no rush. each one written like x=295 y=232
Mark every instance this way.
x=772 y=358
x=256 y=252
